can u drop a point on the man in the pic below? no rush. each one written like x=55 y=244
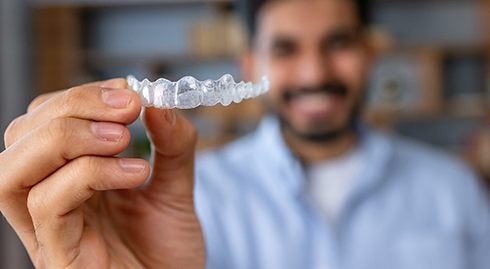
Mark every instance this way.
x=312 y=188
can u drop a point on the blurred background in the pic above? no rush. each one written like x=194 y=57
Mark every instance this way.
x=430 y=82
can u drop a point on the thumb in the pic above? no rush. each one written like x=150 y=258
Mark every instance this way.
x=174 y=142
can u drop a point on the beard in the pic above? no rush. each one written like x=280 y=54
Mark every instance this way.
x=321 y=132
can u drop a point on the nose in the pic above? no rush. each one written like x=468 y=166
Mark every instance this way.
x=313 y=69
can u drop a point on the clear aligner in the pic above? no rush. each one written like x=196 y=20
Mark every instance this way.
x=189 y=92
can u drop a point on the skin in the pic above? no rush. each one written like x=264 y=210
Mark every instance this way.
x=332 y=52
x=74 y=204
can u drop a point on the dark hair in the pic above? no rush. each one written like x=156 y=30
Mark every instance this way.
x=249 y=10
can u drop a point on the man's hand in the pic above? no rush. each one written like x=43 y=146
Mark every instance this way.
x=74 y=204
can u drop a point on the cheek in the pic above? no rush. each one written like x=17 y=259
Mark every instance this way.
x=281 y=71
x=352 y=69
x=281 y=74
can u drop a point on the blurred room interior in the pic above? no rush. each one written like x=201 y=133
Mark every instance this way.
x=430 y=82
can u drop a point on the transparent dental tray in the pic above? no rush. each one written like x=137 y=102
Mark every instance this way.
x=188 y=92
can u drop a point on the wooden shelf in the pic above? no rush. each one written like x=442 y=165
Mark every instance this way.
x=219 y=125
x=103 y=59
x=118 y=3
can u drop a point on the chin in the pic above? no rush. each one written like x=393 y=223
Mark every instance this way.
x=316 y=133
x=323 y=136
x=317 y=126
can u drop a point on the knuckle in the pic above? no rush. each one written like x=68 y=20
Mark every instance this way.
x=75 y=94
x=11 y=132
x=59 y=129
x=72 y=99
x=91 y=170
x=86 y=164
x=4 y=189
x=37 y=102
x=191 y=133
x=75 y=102
x=36 y=203
x=59 y=134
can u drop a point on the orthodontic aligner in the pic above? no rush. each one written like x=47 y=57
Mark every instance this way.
x=188 y=92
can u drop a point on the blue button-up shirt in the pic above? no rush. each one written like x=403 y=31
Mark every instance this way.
x=412 y=207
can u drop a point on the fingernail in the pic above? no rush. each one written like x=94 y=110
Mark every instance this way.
x=116 y=98
x=170 y=117
x=108 y=131
x=132 y=165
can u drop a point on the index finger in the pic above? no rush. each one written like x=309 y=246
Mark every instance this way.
x=83 y=102
x=116 y=83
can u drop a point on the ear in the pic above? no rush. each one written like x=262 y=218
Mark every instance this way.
x=378 y=42
x=247 y=65
x=371 y=47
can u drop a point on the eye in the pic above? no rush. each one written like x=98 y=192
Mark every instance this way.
x=283 y=48
x=339 y=42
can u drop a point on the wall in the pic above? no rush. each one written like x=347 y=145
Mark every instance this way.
x=14 y=93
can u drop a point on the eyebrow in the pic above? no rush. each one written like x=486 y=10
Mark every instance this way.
x=342 y=32
x=282 y=40
x=339 y=32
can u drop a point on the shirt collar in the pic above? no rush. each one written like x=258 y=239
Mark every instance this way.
x=376 y=150
x=278 y=155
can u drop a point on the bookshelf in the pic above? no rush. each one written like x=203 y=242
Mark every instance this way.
x=425 y=75
x=119 y=3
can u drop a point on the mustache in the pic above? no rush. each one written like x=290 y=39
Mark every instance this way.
x=335 y=89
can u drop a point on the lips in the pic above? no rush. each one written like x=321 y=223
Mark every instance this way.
x=316 y=105
x=336 y=90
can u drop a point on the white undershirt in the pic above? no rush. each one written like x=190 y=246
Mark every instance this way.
x=330 y=183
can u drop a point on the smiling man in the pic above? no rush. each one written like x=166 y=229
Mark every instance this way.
x=316 y=58
x=313 y=187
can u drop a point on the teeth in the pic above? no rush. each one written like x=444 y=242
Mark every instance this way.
x=249 y=91
x=241 y=92
x=226 y=87
x=188 y=93
x=165 y=94
x=146 y=92
x=265 y=84
x=211 y=96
